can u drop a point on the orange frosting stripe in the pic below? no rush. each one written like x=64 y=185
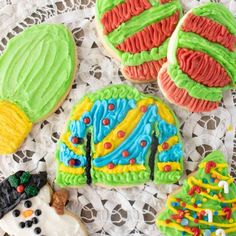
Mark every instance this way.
x=151 y=36
x=209 y=29
x=122 y=13
x=146 y=71
x=181 y=97
x=202 y=68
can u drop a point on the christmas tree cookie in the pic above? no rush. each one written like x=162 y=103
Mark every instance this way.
x=119 y=137
x=37 y=69
x=205 y=204
x=28 y=207
x=137 y=32
x=201 y=59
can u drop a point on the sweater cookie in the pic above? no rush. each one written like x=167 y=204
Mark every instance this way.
x=201 y=59
x=37 y=70
x=25 y=208
x=136 y=33
x=119 y=137
x=206 y=203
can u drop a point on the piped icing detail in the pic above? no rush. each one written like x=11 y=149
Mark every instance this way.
x=205 y=203
x=201 y=58
x=117 y=117
x=138 y=32
x=37 y=69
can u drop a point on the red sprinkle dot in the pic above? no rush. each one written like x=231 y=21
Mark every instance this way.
x=120 y=134
x=143 y=143
x=20 y=188
x=107 y=145
x=125 y=153
x=195 y=205
x=143 y=108
x=106 y=121
x=183 y=204
x=86 y=120
x=110 y=166
x=111 y=107
x=167 y=168
x=132 y=161
x=165 y=146
x=196 y=221
x=168 y=221
x=72 y=162
x=75 y=140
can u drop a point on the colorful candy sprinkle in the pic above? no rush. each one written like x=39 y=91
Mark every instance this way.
x=86 y=120
x=107 y=145
x=120 y=134
x=111 y=107
x=106 y=121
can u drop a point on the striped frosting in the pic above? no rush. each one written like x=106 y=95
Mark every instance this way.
x=201 y=58
x=138 y=32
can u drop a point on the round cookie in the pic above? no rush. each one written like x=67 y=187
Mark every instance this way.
x=201 y=59
x=205 y=204
x=119 y=137
x=37 y=70
x=25 y=208
x=136 y=33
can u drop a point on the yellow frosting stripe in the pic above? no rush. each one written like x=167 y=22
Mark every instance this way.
x=14 y=127
x=174 y=225
x=201 y=221
x=187 y=206
x=221 y=165
x=174 y=165
x=171 y=141
x=222 y=177
x=165 y=113
x=71 y=170
x=84 y=106
x=127 y=125
x=121 y=169
x=65 y=139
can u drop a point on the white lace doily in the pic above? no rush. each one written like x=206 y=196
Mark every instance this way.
x=116 y=211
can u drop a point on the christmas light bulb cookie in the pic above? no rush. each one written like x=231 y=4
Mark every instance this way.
x=119 y=137
x=205 y=204
x=25 y=208
x=37 y=70
x=201 y=59
x=136 y=33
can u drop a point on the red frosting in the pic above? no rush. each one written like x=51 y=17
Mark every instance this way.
x=144 y=72
x=151 y=36
x=210 y=30
x=122 y=13
x=181 y=97
x=202 y=68
x=165 y=1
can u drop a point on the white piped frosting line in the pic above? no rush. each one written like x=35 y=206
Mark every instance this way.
x=220 y=232
x=224 y=184
x=210 y=215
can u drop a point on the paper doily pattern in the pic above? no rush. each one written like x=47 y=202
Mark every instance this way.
x=109 y=211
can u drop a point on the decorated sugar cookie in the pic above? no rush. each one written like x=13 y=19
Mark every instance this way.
x=206 y=203
x=201 y=59
x=119 y=137
x=25 y=208
x=37 y=70
x=136 y=33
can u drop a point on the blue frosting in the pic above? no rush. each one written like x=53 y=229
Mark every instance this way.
x=175 y=153
x=99 y=112
x=66 y=154
x=143 y=131
x=166 y=131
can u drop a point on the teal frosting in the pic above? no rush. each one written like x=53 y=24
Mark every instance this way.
x=174 y=154
x=166 y=131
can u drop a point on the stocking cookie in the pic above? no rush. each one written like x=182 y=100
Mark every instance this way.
x=119 y=137
x=201 y=59
x=37 y=70
x=205 y=204
x=136 y=33
x=25 y=208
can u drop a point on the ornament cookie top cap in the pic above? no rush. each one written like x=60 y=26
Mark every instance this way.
x=201 y=59
x=37 y=70
x=205 y=204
